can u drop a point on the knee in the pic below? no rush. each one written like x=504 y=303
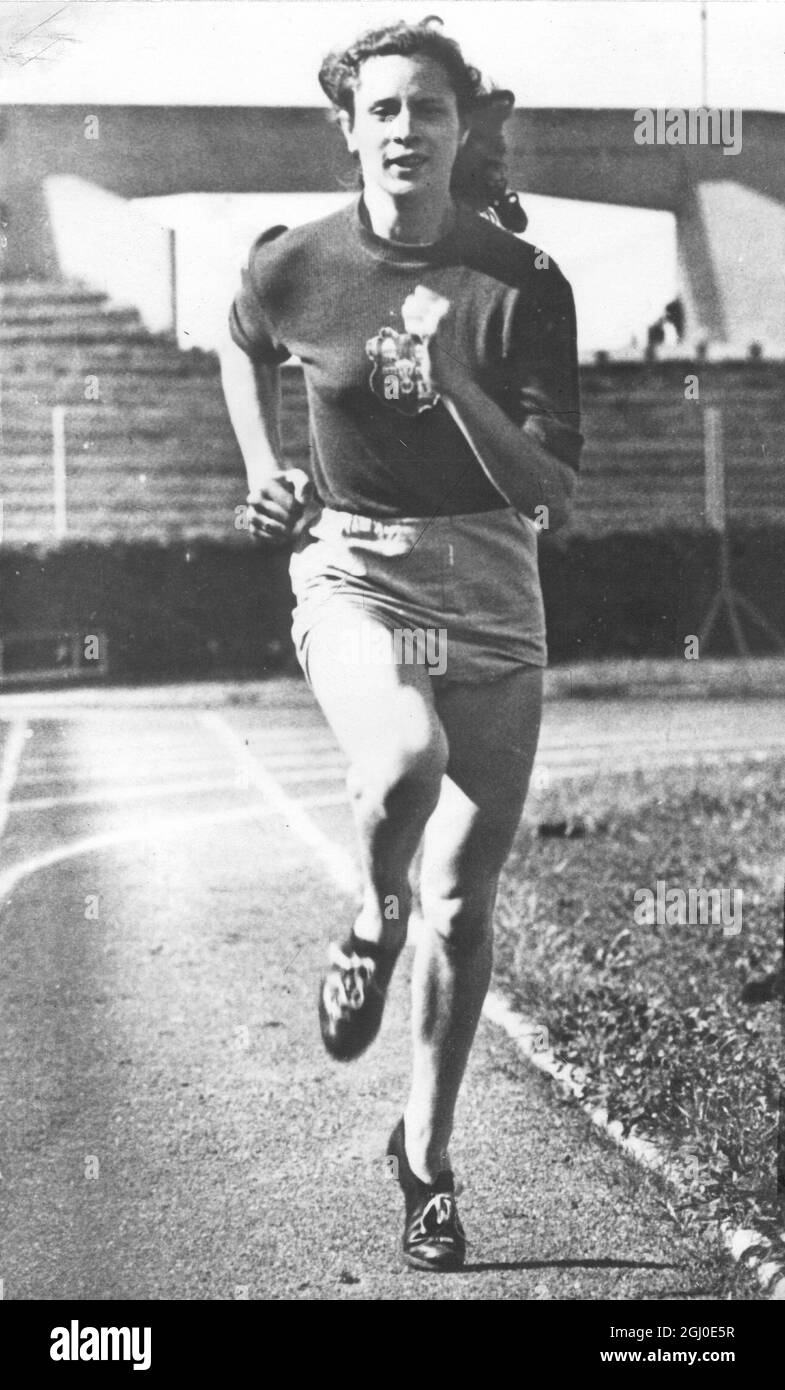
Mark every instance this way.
x=463 y=920
x=406 y=778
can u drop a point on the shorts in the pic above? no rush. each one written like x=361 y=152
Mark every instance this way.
x=461 y=594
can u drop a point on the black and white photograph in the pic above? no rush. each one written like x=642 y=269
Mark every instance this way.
x=392 y=662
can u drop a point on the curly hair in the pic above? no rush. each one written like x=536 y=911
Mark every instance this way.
x=479 y=175
x=339 y=74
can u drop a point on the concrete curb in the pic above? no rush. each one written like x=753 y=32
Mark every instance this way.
x=734 y=678
x=279 y=690
x=745 y=1245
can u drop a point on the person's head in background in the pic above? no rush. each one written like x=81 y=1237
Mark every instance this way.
x=479 y=176
x=416 y=115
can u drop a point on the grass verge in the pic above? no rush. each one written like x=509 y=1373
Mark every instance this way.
x=675 y=1025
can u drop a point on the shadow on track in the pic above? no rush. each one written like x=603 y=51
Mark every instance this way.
x=482 y=1266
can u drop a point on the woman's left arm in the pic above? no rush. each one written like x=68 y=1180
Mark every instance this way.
x=520 y=468
x=527 y=473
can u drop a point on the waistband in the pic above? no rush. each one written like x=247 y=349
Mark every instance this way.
x=353 y=524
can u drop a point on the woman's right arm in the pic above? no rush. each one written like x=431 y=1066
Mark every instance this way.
x=252 y=391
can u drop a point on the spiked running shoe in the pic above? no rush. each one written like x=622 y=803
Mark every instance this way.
x=433 y=1237
x=352 y=996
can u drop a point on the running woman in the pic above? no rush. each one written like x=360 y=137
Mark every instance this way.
x=440 y=362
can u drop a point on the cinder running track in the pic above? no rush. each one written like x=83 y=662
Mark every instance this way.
x=171 y=1128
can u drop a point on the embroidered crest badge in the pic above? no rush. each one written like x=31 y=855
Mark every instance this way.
x=397 y=377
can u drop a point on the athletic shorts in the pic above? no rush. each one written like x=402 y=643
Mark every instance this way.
x=458 y=594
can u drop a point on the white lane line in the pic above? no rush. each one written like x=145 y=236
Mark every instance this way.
x=590 y=748
x=73 y=762
x=11 y=878
x=325 y=799
x=552 y=770
x=305 y=757
x=12 y=756
x=525 y=1033
x=126 y=772
x=117 y=795
x=104 y=741
x=329 y=765
x=150 y=830
x=339 y=865
x=335 y=772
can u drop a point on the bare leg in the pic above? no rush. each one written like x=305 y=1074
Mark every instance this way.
x=383 y=714
x=492 y=730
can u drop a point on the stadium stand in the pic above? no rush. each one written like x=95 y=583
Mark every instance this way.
x=153 y=458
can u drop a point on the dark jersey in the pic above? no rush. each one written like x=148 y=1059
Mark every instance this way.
x=382 y=444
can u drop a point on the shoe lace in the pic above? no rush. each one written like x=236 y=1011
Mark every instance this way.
x=349 y=978
x=442 y=1205
x=439 y=1210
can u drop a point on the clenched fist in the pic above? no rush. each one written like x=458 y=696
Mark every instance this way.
x=273 y=511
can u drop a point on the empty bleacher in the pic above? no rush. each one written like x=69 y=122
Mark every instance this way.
x=643 y=463
x=153 y=458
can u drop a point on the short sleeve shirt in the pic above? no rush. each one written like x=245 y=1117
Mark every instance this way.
x=331 y=292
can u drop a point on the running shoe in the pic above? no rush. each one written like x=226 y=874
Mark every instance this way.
x=433 y=1237
x=352 y=996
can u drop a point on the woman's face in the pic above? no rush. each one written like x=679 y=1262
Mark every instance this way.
x=406 y=129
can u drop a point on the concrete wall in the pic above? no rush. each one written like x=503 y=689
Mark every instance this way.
x=109 y=245
x=137 y=151
x=143 y=151
x=746 y=234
